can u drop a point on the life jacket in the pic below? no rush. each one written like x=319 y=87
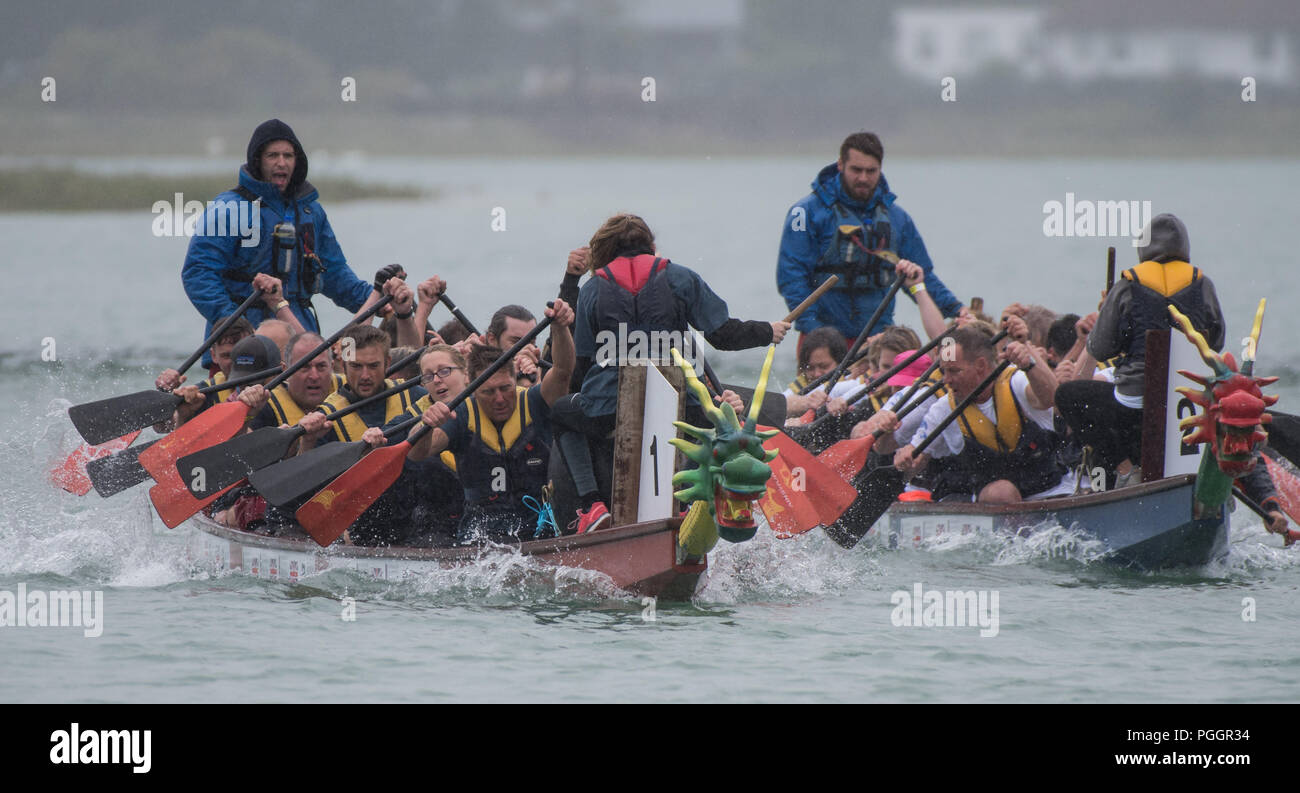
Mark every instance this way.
x=518 y=449
x=217 y=397
x=798 y=384
x=351 y=427
x=1015 y=448
x=415 y=411
x=1156 y=286
x=847 y=256
x=305 y=261
x=285 y=407
x=635 y=293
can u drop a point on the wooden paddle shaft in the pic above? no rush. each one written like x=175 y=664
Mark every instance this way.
x=813 y=298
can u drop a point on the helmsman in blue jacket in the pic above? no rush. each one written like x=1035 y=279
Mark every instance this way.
x=223 y=258
x=833 y=231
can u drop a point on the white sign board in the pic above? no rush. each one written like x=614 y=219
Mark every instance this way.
x=1180 y=458
x=656 y=499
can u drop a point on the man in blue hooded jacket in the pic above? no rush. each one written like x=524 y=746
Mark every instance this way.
x=305 y=256
x=833 y=231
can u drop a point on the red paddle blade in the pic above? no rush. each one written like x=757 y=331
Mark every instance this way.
x=1288 y=493
x=336 y=507
x=175 y=503
x=72 y=476
x=787 y=508
x=829 y=494
x=214 y=425
x=847 y=457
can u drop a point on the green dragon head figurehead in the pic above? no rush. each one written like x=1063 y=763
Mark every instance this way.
x=732 y=470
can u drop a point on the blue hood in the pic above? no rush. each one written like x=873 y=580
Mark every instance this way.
x=828 y=189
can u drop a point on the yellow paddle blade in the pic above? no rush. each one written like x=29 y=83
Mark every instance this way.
x=698 y=533
x=760 y=390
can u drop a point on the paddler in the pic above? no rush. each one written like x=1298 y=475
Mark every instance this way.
x=1109 y=419
x=500 y=439
x=634 y=295
x=1004 y=444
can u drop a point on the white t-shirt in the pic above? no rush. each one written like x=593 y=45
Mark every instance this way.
x=952 y=442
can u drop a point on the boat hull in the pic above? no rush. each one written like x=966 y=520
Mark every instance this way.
x=642 y=558
x=1149 y=526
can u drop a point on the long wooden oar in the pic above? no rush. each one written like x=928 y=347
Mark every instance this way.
x=109 y=418
x=329 y=513
x=221 y=422
x=883 y=486
x=816 y=295
x=217 y=467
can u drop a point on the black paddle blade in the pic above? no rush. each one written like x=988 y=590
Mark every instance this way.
x=102 y=421
x=112 y=474
x=772 y=411
x=876 y=492
x=284 y=483
x=215 y=468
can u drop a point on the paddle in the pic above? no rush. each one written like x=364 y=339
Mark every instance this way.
x=97 y=429
x=221 y=422
x=1289 y=535
x=457 y=313
x=812 y=298
x=216 y=467
x=72 y=476
x=106 y=419
x=885 y=484
x=849 y=455
x=115 y=473
x=329 y=513
x=835 y=374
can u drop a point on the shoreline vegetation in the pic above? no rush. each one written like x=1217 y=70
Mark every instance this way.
x=70 y=190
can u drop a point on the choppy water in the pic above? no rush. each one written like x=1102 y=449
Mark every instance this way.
x=775 y=620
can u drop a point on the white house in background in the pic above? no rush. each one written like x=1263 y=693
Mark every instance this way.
x=933 y=43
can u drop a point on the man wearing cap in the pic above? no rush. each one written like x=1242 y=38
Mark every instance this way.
x=837 y=230
x=250 y=356
x=274 y=194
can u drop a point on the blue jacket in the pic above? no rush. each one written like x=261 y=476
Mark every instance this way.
x=809 y=229
x=213 y=258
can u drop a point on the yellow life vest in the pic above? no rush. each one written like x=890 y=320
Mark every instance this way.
x=417 y=409
x=286 y=408
x=510 y=431
x=1005 y=435
x=217 y=379
x=351 y=427
x=1167 y=278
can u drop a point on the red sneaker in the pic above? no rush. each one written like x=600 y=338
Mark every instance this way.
x=594 y=518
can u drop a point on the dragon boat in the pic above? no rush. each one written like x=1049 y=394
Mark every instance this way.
x=1179 y=515
x=651 y=549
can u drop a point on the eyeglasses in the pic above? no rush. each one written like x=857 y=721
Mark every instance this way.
x=443 y=373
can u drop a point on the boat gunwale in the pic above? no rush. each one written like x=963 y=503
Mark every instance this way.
x=1049 y=505
x=462 y=553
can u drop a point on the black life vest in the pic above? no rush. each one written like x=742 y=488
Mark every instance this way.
x=514 y=457
x=847 y=253
x=635 y=294
x=1156 y=286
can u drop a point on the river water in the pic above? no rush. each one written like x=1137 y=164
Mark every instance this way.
x=799 y=620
